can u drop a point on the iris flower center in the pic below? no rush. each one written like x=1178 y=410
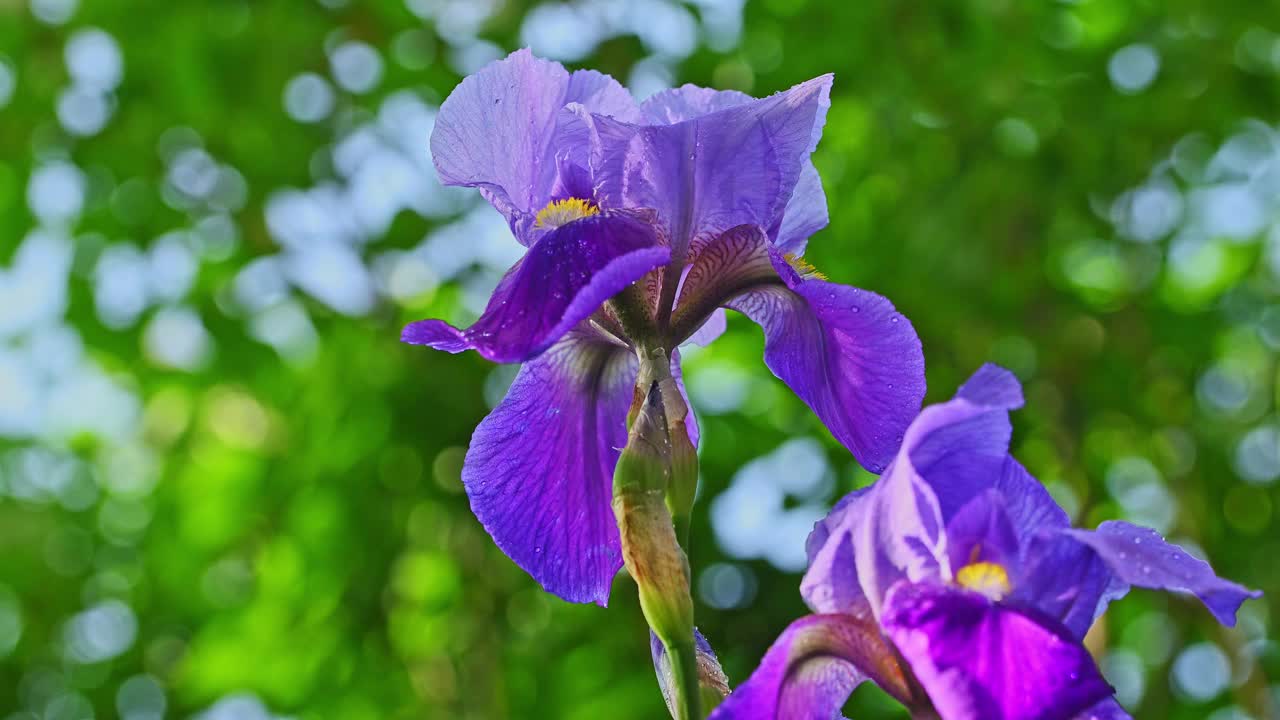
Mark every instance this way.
x=988 y=578
x=563 y=212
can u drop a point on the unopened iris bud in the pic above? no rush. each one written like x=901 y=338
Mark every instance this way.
x=649 y=546
x=713 y=685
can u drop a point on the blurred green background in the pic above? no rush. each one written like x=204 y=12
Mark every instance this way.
x=228 y=492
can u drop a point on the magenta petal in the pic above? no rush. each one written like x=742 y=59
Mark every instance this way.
x=810 y=670
x=1139 y=556
x=561 y=281
x=495 y=131
x=853 y=358
x=979 y=660
x=539 y=471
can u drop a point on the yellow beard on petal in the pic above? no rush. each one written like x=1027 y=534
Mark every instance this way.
x=804 y=267
x=563 y=212
x=988 y=578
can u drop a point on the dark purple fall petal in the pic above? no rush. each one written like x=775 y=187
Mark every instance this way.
x=736 y=166
x=561 y=281
x=496 y=130
x=1139 y=556
x=810 y=670
x=539 y=471
x=853 y=358
x=980 y=660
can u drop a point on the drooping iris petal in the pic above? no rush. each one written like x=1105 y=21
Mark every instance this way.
x=539 y=471
x=559 y=283
x=496 y=130
x=1065 y=580
x=846 y=352
x=738 y=165
x=1140 y=556
x=980 y=660
x=810 y=670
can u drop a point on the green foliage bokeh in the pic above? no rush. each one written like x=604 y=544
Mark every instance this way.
x=290 y=526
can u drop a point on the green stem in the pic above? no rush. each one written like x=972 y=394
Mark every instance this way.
x=684 y=670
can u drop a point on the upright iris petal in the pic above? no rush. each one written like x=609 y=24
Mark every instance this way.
x=495 y=131
x=974 y=576
x=735 y=165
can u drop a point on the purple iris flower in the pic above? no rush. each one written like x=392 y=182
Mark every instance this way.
x=958 y=585
x=689 y=202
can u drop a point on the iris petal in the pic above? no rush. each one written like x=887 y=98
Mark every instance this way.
x=559 y=283
x=539 y=471
x=806 y=210
x=1139 y=556
x=980 y=660
x=810 y=670
x=496 y=130
x=737 y=165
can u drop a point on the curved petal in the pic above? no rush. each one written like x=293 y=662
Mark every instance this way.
x=687 y=102
x=495 y=131
x=853 y=358
x=539 y=471
x=738 y=165
x=1139 y=556
x=831 y=584
x=981 y=531
x=810 y=670
x=1066 y=580
x=716 y=323
x=979 y=660
x=806 y=212
x=559 y=283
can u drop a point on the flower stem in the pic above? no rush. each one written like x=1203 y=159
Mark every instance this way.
x=642 y=483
